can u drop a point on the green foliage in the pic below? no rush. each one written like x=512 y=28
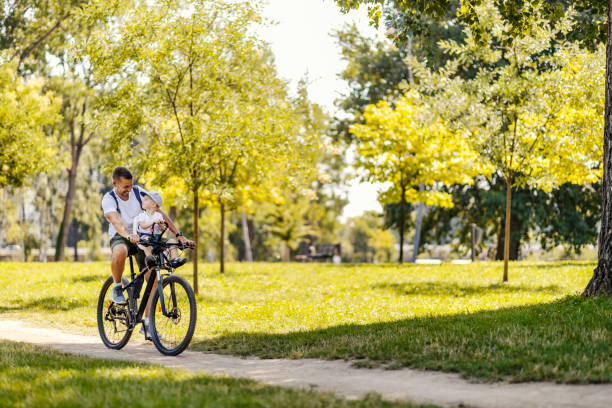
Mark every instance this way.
x=203 y=94
x=568 y=215
x=25 y=109
x=408 y=147
x=376 y=69
x=408 y=17
x=523 y=109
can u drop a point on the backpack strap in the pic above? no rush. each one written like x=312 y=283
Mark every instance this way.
x=112 y=194
x=137 y=193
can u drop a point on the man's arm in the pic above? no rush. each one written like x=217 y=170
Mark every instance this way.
x=115 y=219
x=175 y=230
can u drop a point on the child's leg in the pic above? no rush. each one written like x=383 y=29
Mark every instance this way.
x=149 y=251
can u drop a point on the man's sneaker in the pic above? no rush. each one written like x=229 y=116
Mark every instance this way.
x=117 y=295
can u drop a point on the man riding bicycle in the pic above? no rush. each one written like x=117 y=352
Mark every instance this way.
x=121 y=205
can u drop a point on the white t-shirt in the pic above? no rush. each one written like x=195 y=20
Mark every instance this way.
x=143 y=216
x=128 y=209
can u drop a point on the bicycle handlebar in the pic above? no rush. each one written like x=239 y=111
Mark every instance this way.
x=180 y=245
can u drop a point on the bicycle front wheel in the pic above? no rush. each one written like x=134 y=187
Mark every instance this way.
x=172 y=334
x=113 y=319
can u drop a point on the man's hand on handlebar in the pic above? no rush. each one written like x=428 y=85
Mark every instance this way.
x=133 y=238
x=186 y=242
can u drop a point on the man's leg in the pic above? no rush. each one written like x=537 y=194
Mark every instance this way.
x=118 y=256
x=146 y=312
x=119 y=252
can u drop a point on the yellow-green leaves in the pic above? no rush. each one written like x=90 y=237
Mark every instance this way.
x=25 y=149
x=531 y=104
x=408 y=146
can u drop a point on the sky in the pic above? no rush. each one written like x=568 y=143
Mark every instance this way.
x=303 y=45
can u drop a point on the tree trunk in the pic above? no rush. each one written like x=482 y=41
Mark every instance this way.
x=222 y=240
x=196 y=230
x=417 y=230
x=286 y=253
x=248 y=254
x=42 y=251
x=515 y=239
x=76 y=241
x=601 y=282
x=22 y=225
x=76 y=147
x=507 y=229
x=402 y=224
x=62 y=235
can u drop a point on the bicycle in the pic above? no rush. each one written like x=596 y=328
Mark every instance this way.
x=171 y=323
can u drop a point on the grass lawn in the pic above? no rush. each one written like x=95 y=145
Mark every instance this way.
x=32 y=376
x=457 y=318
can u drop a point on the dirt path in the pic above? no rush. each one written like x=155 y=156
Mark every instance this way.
x=336 y=376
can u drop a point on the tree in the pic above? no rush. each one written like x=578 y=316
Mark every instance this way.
x=568 y=215
x=408 y=148
x=79 y=127
x=523 y=109
x=29 y=27
x=192 y=85
x=376 y=69
x=286 y=221
x=591 y=30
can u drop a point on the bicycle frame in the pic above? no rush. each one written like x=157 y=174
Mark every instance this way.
x=135 y=285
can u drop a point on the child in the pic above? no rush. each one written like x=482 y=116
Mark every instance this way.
x=149 y=223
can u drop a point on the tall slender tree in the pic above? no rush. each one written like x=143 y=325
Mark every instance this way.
x=409 y=148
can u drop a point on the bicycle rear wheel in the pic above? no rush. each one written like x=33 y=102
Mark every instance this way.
x=172 y=334
x=113 y=319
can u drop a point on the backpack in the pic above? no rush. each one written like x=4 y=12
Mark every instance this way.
x=136 y=193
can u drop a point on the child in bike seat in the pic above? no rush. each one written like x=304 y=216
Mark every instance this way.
x=149 y=223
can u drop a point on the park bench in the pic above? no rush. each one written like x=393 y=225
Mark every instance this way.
x=326 y=251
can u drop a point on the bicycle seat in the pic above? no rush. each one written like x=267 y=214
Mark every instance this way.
x=176 y=262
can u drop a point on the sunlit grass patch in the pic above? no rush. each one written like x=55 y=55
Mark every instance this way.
x=447 y=317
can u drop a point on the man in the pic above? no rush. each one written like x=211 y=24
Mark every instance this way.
x=121 y=205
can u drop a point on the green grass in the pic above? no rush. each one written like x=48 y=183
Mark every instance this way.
x=457 y=318
x=33 y=376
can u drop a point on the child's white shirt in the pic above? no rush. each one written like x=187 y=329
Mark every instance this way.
x=144 y=217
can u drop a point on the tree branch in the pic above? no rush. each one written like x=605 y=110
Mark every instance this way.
x=25 y=53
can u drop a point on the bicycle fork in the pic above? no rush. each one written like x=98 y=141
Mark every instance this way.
x=160 y=291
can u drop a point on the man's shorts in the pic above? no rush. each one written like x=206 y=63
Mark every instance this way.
x=132 y=249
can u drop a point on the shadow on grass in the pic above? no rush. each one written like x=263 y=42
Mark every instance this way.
x=567 y=341
x=89 y=278
x=50 y=303
x=33 y=376
x=453 y=289
x=560 y=264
